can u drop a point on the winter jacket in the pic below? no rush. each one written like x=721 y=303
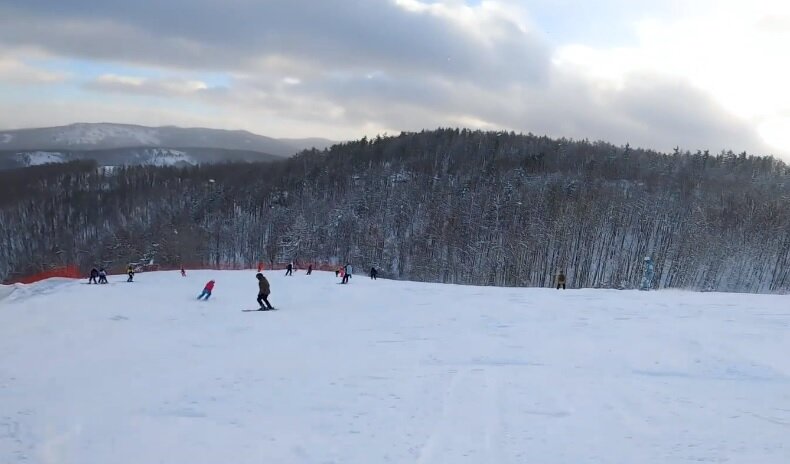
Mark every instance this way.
x=349 y=269
x=561 y=278
x=263 y=286
x=94 y=273
x=210 y=286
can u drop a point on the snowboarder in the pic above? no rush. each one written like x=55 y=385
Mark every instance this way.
x=373 y=273
x=207 y=290
x=289 y=269
x=263 y=292
x=130 y=271
x=183 y=272
x=647 y=277
x=346 y=273
x=102 y=276
x=309 y=269
x=561 y=280
x=94 y=275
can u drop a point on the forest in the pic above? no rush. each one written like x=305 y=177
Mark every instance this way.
x=448 y=205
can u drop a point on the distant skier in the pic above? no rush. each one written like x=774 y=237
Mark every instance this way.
x=102 y=276
x=338 y=271
x=346 y=273
x=647 y=277
x=130 y=272
x=207 y=290
x=309 y=269
x=263 y=292
x=561 y=280
x=289 y=269
x=94 y=275
x=373 y=273
x=183 y=272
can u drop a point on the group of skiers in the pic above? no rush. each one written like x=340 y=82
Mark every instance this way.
x=99 y=274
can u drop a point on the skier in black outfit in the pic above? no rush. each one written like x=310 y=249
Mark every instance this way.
x=130 y=271
x=263 y=292
x=102 y=276
x=309 y=269
x=94 y=275
x=289 y=269
x=373 y=273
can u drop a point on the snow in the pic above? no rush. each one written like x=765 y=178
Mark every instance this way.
x=388 y=371
x=168 y=157
x=6 y=138
x=95 y=134
x=36 y=158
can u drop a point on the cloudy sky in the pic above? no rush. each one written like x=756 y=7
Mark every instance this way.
x=699 y=74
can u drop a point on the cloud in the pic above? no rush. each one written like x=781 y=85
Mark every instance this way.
x=16 y=71
x=146 y=86
x=343 y=68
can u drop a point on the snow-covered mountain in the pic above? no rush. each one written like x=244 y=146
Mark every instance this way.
x=104 y=136
x=388 y=371
x=133 y=156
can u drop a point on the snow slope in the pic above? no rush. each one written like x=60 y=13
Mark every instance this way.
x=388 y=372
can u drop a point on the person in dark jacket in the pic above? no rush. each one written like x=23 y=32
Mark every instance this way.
x=289 y=269
x=102 y=276
x=561 y=280
x=373 y=273
x=94 y=275
x=130 y=271
x=346 y=273
x=309 y=269
x=263 y=292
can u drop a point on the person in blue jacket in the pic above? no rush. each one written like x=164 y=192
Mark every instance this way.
x=647 y=277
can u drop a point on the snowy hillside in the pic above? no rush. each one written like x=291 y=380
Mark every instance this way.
x=104 y=136
x=388 y=371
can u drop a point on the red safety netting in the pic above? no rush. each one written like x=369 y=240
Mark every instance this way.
x=71 y=272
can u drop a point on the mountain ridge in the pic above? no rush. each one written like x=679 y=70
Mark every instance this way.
x=103 y=136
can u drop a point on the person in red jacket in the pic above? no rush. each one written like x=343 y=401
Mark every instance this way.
x=207 y=290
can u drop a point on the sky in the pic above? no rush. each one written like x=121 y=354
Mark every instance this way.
x=699 y=75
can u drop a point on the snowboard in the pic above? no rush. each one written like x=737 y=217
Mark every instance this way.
x=256 y=310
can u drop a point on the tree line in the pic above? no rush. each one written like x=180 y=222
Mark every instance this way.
x=449 y=205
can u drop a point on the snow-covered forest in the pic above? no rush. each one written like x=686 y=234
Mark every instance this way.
x=460 y=206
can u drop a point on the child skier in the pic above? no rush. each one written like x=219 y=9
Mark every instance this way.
x=183 y=272
x=102 y=276
x=130 y=271
x=207 y=290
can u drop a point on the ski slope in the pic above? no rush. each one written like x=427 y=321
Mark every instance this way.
x=397 y=372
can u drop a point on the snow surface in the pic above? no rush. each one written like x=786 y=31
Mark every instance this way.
x=5 y=138
x=388 y=372
x=36 y=158
x=94 y=134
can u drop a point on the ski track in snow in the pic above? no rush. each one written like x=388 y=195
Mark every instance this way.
x=387 y=371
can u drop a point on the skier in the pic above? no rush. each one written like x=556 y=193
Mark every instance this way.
x=289 y=269
x=338 y=271
x=346 y=273
x=373 y=273
x=561 y=280
x=94 y=275
x=130 y=271
x=647 y=277
x=207 y=290
x=309 y=269
x=183 y=272
x=102 y=276
x=263 y=292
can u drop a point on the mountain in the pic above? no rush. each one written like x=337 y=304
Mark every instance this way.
x=26 y=147
x=181 y=156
